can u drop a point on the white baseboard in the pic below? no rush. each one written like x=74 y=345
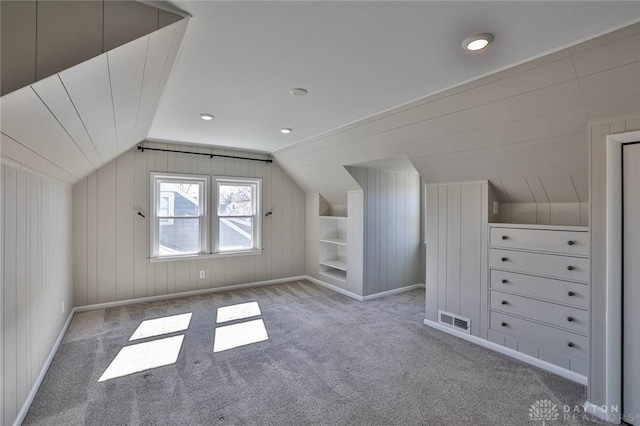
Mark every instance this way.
x=602 y=413
x=185 y=294
x=363 y=298
x=394 y=291
x=571 y=375
x=43 y=371
x=334 y=288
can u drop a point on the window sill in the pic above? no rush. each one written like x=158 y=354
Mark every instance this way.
x=204 y=256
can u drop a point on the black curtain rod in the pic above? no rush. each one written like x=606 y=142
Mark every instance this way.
x=144 y=148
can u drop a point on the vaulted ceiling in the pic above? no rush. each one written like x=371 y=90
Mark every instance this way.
x=385 y=80
x=83 y=108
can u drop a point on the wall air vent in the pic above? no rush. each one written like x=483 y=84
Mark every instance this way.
x=454 y=321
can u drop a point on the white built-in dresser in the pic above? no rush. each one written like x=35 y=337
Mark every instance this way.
x=539 y=292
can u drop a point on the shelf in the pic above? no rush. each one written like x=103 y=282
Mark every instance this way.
x=334 y=241
x=336 y=264
x=334 y=217
x=335 y=274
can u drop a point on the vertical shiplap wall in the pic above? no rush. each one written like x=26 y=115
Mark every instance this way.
x=456 y=236
x=111 y=242
x=36 y=278
x=391 y=228
x=572 y=214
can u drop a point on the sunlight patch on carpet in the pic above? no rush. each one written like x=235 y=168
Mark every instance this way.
x=239 y=311
x=144 y=356
x=236 y=335
x=159 y=326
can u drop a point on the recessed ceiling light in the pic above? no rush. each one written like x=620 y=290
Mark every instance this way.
x=207 y=117
x=286 y=130
x=477 y=42
x=298 y=91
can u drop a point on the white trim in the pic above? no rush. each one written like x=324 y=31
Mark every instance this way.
x=201 y=256
x=256 y=184
x=602 y=413
x=394 y=291
x=155 y=183
x=363 y=298
x=532 y=226
x=43 y=371
x=334 y=288
x=571 y=375
x=613 y=345
x=185 y=294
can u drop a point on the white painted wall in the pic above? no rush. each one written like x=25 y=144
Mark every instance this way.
x=571 y=214
x=36 y=278
x=391 y=216
x=456 y=272
x=111 y=242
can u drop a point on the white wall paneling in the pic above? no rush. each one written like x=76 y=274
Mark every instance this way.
x=456 y=268
x=391 y=228
x=40 y=39
x=524 y=124
x=77 y=120
x=37 y=278
x=112 y=241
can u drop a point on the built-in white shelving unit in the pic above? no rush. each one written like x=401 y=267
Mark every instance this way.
x=332 y=247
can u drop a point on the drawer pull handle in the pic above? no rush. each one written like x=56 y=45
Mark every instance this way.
x=504 y=324
x=505 y=281
x=571 y=268
x=504 y=302
x=570 y=319
x=504 y=237
x=570 y=242
x=571 y=293
x=570 y=344
x=504 y=259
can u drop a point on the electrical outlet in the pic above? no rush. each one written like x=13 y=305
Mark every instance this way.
x=201 y=274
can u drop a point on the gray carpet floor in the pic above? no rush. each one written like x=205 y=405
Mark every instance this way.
x=329 y=360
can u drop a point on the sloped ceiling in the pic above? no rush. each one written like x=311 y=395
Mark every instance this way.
x=71 y=123
x=524 y=129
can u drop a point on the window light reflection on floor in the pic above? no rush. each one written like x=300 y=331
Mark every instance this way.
x=236 y=335
x=239 y=311
x=144 y=356
x=164 y=325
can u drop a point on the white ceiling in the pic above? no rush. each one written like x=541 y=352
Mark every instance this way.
x=240 y=59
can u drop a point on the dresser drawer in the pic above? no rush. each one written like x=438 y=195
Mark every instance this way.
x=545 y=336
x=566 y=292
x=564 y=267
x=566 y=242
x=573 y=319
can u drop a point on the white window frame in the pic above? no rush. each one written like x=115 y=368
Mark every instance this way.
x=156 y=180
x=257 y=216
x=209 y=219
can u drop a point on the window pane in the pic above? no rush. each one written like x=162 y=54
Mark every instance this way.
x=179 y=199
x=235 y=200
x=181 y=236
x=236 y=233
